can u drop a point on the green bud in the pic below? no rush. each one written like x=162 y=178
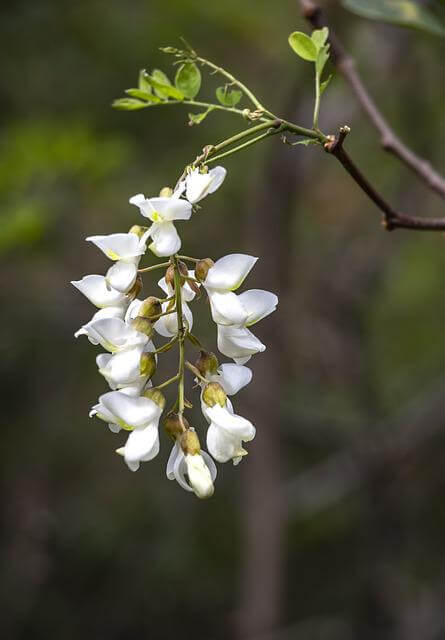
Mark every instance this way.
x=150 y=307
x=166 y=192
x=202 y=268
x=214 y=394
x=155 y=395
x=143 y=325
x=174 y=425
x=147 y=365
x=138 y=230
x=206 y=363
x=189 y=442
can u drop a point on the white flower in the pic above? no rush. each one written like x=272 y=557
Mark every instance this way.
x=226 y=432
x=200 y=469
x=142 y=445
x=107 y=312
x=162 y=211
x=127 y=247
x=128 y=411
x=226 y=275
x=167 y=326
x=232 y=377
x=238 y=343
x=122 y=276
x=187 y=293
x=198 y=185
x=124 y=367
x=113 y=334
x=98 y=291
x=101 y=412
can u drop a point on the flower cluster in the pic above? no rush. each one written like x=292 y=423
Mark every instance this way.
x=126 y=323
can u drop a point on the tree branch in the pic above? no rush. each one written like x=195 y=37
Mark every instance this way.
x=389 y=140
x=392 y=219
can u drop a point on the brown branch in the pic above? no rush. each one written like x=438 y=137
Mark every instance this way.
x=392 y=219
x=389 y=141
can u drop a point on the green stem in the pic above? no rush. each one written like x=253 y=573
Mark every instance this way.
x=165 y=347
x=233 y=80
x=155 y=266
x=167 y=382
x=317 y=101
x=189 y=258
x=180 y=335
x=243 y=146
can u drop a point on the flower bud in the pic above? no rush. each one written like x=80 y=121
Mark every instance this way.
x=150 y=307
x=155 y=395
x=189 y=442
x=143 y=325
x=136 y=289
x=206 y=363
x=138 y=230
x=175 y=425
x=214 y=394
x=199 y=475
x=170 y=273
x=202 y=268
x=166 y=192
x=147 y=365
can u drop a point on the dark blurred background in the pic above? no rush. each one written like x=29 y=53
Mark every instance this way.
x=334 y=526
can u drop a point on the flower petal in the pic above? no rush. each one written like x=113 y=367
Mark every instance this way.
x=233 y=377
x=238 y=343
x=236 y=425
x=167 y=326
x=119 y=246
x=229 y=272
x=114 y=335
x=166 y=241
x=142 y=444
x=122 y=276
x=107 y=312
x=130 y=411
x=224 y=446
x=226 y=308
x=96 y=289
x=258 y=304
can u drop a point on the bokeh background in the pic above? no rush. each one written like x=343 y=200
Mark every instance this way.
x=334 y=526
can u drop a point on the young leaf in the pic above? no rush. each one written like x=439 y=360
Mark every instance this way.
x=129 y=104
x=303 y=46
x=163 y=88
x=188 y=79
x=227 y=97
x=197 y=118
x=322 y=58
x=405 y=13
x=324 y=84
x=306 y=142
x=143 y=85
x=319 y=37
x=143 y=95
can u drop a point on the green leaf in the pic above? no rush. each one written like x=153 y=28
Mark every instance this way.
x=405 y=13
x=303 y=46
x=324 y=84
x=197 y=118
x=143 y=95
x=188 y=79
x=228 y=97
x=129 y=104
x=319 y=37
x=163 y=90
x=322 y=58
x=143 y=85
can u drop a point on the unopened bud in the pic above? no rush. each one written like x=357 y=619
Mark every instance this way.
x=155 y=395
x=138 y=230
x=214 y=394
x=150 y=307
x=166 y=192
x=206 y=363
x=147 y=365
x=170 y=273
x=143 y=325
x=202 y=268
x=189 y=442
x=175 y=425
x=199 y=475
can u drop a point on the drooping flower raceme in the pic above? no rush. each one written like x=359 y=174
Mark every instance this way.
x=126 y=323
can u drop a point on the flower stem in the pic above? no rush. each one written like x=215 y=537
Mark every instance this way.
x=153 y=267
x=180 y=334
x=167 y=382
x=189 y=258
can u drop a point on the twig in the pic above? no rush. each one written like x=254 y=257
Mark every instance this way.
x=389 y=140
x=392 y=219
